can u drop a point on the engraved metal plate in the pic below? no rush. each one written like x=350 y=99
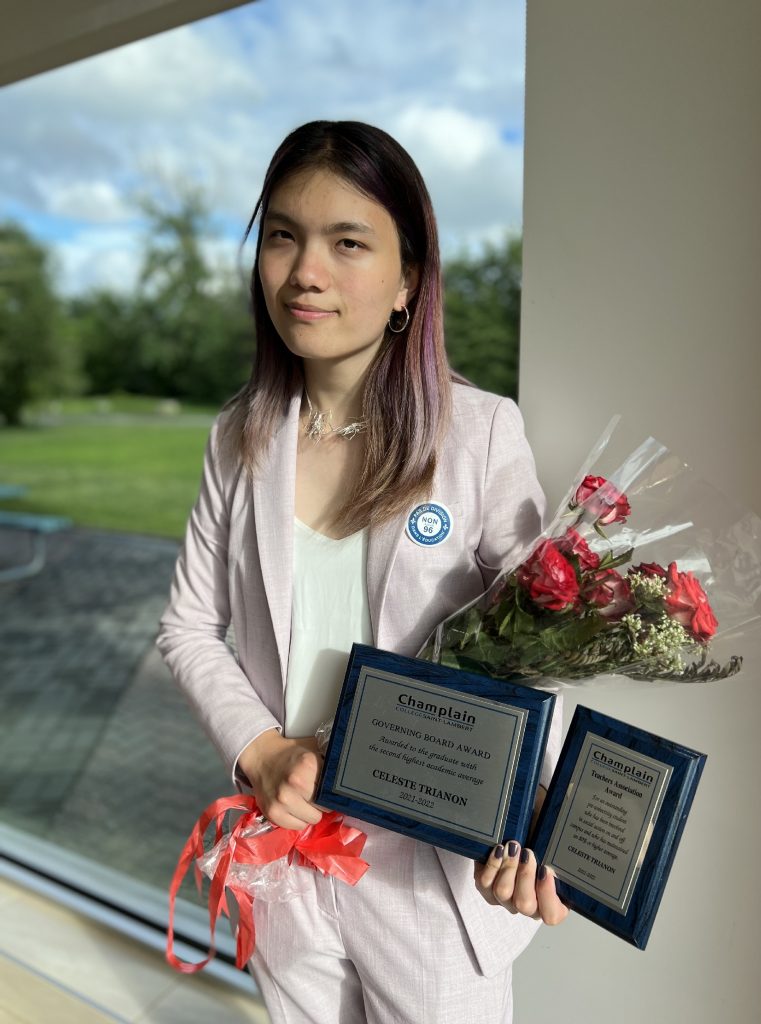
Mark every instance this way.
x=607 y=817
x=440 y=757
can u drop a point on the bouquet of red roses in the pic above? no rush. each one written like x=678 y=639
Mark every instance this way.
x=583 y=603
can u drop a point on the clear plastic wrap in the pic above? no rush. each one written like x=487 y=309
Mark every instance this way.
x=645 y=571
x=323 y=734
x=275 y=882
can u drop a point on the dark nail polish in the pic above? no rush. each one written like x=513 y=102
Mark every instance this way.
x=541 y=873
x=525 y=856
x=512 y=848
x=499 y=851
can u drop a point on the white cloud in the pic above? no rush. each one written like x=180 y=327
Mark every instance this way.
x=475 y=178
x=210 y=102
x=107 y=257
x=98 y=257
x=97 y=201
x=165 y=77
x=447 y=136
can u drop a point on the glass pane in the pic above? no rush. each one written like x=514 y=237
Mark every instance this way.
x=100 y=751
x=100 y=754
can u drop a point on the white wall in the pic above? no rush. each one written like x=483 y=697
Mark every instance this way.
x=642 y=295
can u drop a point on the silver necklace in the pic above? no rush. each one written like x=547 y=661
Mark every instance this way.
x=319 y=424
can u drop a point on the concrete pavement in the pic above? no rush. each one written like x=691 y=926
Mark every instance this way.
x=98 y=751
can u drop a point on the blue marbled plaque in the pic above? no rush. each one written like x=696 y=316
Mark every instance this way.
x=612 y=820
x=446 y=756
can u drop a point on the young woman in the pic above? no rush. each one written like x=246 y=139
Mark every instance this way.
x=299 y=540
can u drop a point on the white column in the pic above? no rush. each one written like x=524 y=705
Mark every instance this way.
x=642 y=295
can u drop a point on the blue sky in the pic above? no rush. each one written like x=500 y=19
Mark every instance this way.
x=208 y=104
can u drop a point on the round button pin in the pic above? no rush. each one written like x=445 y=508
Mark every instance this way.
x=429 y=524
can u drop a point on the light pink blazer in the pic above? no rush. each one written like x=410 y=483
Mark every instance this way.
x=236 y=569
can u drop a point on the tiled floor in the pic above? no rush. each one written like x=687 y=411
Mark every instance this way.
x=57 y=967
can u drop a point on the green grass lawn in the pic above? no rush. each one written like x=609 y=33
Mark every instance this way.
x=138 y=473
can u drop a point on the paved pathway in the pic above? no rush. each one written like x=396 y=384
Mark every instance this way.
x=98 y=751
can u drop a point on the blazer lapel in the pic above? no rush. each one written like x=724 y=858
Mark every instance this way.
x=274 y=489
x=382 y=547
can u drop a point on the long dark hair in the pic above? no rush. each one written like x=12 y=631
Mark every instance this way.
x=407 y=389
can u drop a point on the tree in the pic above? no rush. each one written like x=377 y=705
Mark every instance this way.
x=109 y=340
x=196 y=334
x=482 y=299
x=185 y=332
x=27 y=322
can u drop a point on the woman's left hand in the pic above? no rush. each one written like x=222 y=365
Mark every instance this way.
x=511 y=878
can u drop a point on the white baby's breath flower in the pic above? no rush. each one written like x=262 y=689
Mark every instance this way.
x=662 y=641
x=647 y=588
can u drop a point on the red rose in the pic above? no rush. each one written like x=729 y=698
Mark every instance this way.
x=610 y=592
x=649 y=569
x=572 y=543
x=549 y=578
x=602 y=500
x=687 y=603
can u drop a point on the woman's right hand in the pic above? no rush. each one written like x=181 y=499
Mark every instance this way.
x=283 y=774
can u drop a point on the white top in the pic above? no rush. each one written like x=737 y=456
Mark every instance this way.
x=330 y=613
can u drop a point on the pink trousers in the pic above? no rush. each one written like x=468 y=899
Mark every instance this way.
x=390 y=950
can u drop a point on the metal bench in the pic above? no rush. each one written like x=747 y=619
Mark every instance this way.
x=11 y=491
x=38 y=527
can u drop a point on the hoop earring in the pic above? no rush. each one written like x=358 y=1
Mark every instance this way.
x=400 y=312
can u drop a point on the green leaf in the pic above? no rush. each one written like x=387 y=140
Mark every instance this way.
x=609 y=561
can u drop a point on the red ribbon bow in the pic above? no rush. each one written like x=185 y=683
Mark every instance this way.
x=329 y=847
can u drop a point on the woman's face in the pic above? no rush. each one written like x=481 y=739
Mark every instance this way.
x=330 y=268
